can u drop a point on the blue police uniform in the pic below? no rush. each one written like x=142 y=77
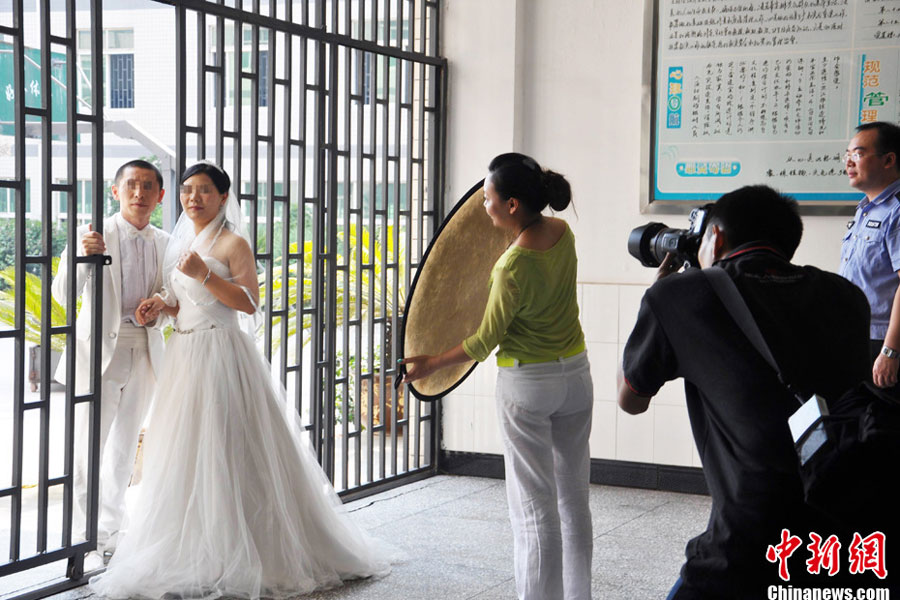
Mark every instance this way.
x=870 y=254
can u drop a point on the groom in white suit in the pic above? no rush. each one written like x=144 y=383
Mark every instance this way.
x=131 y=354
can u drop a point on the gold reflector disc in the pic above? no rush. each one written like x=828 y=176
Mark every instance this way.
x=450 y=291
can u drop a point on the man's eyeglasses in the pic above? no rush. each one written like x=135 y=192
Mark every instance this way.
x=857 y=156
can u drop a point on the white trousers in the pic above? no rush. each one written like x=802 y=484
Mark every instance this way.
x=545 y=419
x=126 y=390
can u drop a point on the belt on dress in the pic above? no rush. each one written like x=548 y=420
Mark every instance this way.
x=187 y=331
x=508 y=361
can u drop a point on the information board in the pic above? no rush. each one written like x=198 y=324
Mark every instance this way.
x=32 y=90
x=768 y=92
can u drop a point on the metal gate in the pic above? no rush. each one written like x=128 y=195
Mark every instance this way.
x=329 y=117
x=36 y=483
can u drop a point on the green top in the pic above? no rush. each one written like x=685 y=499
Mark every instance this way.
x=532 y=312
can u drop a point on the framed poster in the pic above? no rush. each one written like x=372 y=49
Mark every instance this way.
x=767 y=92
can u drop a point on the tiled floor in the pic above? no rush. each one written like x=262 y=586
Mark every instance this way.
x=457 y=542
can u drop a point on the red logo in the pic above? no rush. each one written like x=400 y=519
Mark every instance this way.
x=867 y=554
x=864 y=554
x=782 y=552
x=824 y=555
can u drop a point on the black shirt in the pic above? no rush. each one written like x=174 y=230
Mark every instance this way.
x=816 y=325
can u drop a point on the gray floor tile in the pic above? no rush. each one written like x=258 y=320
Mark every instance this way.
x=400 y=503
x=463 y=542
x=637 y=562
x=422 y=579
x=667 y=521
x=503 y=591
x=456 y=542
x=488 y=504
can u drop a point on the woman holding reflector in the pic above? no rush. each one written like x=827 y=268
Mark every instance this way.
x=544 y=389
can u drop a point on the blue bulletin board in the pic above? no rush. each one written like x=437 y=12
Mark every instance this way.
x=767 y=92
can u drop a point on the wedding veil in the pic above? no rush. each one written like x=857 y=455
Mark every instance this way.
x=184 y=239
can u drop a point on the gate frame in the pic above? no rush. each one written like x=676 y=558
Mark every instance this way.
x=327 y=48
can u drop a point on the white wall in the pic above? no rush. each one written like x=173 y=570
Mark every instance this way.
x=564 y=81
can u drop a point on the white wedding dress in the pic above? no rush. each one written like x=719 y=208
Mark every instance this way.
x=232 y=502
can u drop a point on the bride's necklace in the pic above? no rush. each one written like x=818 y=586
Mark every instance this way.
x=537 y=219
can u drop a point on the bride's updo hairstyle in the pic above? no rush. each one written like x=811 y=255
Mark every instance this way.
x=218 y=176
x=519 y=176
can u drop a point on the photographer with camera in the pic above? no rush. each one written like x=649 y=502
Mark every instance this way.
x=816 y=326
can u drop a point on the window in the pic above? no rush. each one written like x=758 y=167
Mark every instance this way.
x=121 y=81
x=246 y=64
x=262 y=188
x=84 y=200
x=84 y=190
x=367 y=78
x=364 y=83
x=8 y=200
x=84 y=77
x=364 y=71
x=118 y=67
x=263 y=77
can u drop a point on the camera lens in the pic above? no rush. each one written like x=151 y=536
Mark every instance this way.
x=651 y=242
x=642 y=244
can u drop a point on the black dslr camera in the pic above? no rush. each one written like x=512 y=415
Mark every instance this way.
x=651 y=242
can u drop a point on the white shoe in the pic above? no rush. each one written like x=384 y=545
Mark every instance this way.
x=110 y=543
x=93 y=561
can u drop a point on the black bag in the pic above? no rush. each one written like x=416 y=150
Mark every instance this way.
x=852 y=477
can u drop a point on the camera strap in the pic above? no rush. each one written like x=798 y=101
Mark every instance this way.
x=728 y=293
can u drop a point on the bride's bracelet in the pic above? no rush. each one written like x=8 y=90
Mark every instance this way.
x=205 y=279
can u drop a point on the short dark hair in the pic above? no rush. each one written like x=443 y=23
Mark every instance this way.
x=519 y=176
x=218 y=175
x=758 y=213
x=140 y=163
x=888 y=139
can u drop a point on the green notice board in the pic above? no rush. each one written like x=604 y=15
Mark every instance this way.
x=32 y=90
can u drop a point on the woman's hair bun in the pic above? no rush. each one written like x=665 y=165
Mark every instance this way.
x=557 y=190
x=516 y=175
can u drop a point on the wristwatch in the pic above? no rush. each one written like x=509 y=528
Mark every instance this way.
x=889 y=352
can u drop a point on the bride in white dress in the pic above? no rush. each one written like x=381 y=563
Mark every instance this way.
x=233 y=501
